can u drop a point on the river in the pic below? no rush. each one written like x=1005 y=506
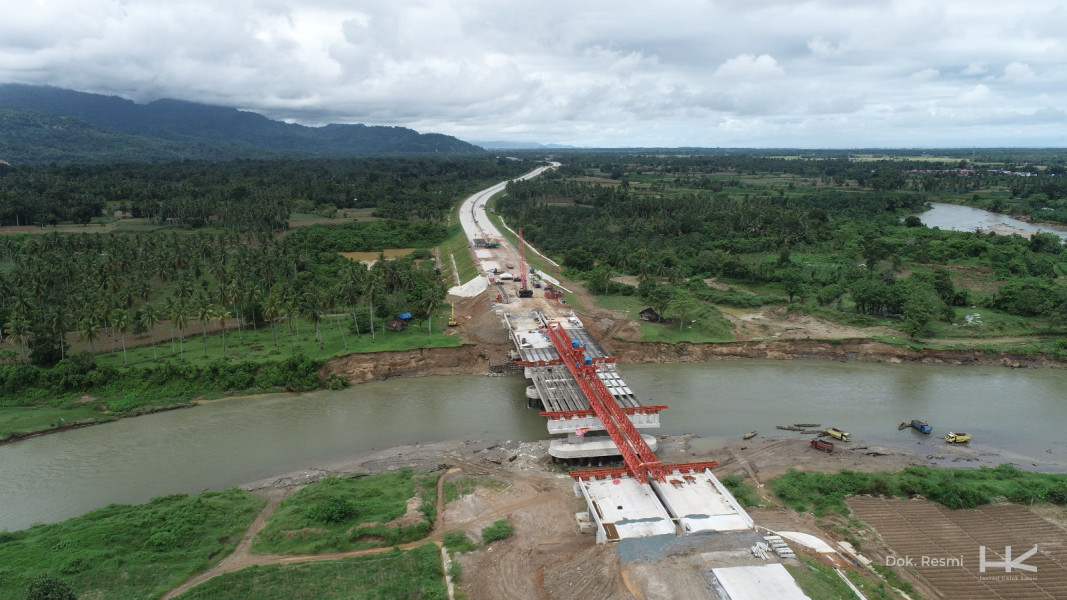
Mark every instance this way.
x=965 y=218
x=1016 y=412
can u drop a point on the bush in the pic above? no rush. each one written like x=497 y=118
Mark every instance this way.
x=499 y=530
x=47 y=587
x=334 y=510
x=457 y=541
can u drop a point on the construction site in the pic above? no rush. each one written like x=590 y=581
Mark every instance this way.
x=599 y=513
x=594 y=419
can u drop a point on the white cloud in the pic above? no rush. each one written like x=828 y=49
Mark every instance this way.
x=822 y=48
x=1017 y=72
x=748 y=66
x=925 y=75
x=626 y=73
x=978 y=94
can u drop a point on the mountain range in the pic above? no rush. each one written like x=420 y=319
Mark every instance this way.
x=47 y=124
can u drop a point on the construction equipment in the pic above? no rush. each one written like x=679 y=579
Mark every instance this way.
x=818 y=444
x=921 y=426
x=452 y=318
x=839 y=434
x=524 y=291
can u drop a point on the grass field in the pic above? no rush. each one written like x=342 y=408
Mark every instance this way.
x=128 y=552
x=415 y=574
x=711 y=328
x=259 y=344
x=821 y=581
x=35 y=418
x=824 y=493
x=334 y=514
x=455 y=245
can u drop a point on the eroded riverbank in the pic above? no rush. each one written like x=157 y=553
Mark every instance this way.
x=476 y=359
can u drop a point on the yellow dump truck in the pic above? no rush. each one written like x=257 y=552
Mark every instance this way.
x=837 y=434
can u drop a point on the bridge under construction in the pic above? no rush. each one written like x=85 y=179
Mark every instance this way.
x=595 y=416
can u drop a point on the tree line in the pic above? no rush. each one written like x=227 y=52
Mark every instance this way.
x=837 y=247
x=115 y=284
x=243 y=195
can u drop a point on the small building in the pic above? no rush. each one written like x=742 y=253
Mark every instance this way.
x=397 y=325
x=649 y=315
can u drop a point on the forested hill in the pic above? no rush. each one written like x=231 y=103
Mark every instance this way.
x=175 y=128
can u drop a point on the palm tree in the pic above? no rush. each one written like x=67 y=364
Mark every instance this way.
x=121 y=323
x=18 y=329
x=271 y=310
x=222 y=314
x=181 y=319
x=253 y=296
x=372 y=286
x=432 y=297
x=350 y=287
x=149 y=317
x=312 y=309
x=233 y=295
x=289 y=310
x=204 y=310
x=56 y=320
x=87 y=330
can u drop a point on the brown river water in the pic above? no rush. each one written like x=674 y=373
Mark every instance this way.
x=1018 y=413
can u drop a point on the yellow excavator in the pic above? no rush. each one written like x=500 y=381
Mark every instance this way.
x=452 y=319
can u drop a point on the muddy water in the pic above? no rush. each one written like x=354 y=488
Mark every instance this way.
x=965 y=218
x=1018 y=412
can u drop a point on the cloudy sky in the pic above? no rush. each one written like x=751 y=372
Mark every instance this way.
x=715 y=73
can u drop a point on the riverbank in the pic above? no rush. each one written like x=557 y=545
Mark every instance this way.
x=548 y=554
x=476 y=359
x=760 y=458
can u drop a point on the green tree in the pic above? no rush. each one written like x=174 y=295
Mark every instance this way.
x=793 y=281
x=18 y=329
x=311 y=307
x=432 y=297
x=271 y=312
x=149 y=317
x=682 y=305
x=87 y=330
x=204 y=312
x=221 y=314
x=921 y=306
x=121 y=321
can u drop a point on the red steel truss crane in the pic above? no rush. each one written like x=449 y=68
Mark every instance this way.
x=639 y=458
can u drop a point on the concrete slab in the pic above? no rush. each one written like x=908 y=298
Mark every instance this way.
x=808 y=541
x=470 y=289
x=764 y=582
x=700 y=503
x=624 y=508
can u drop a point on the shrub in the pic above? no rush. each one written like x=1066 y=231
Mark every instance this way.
x=48 y=587
x=457 y=541
x=334 y=510
x=499 y=530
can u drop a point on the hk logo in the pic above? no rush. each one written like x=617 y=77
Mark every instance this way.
x=1008 y=563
